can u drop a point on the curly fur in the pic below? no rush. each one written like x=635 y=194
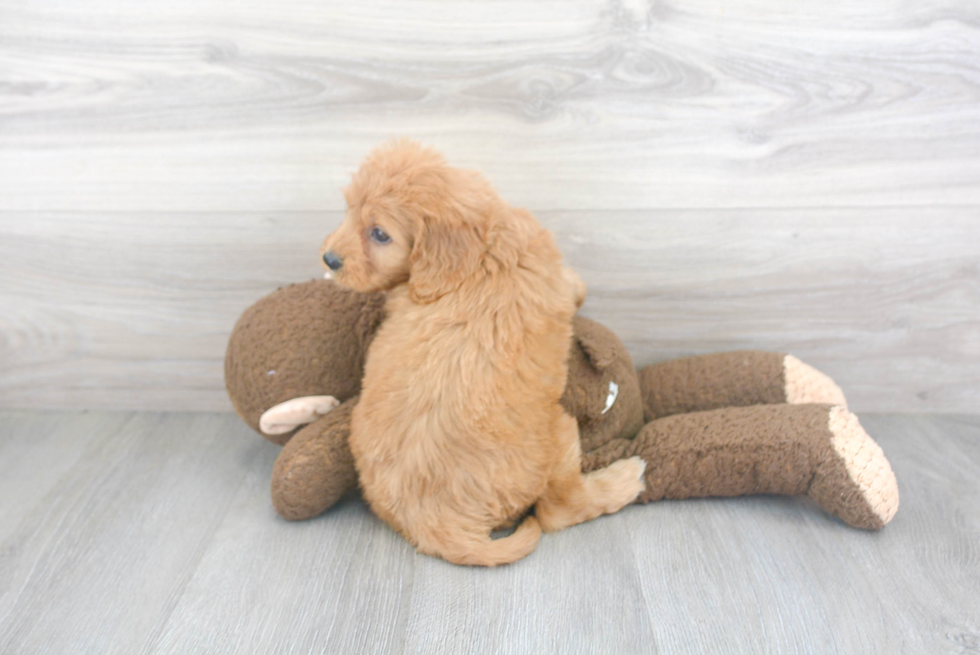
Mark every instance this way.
x=459 y=429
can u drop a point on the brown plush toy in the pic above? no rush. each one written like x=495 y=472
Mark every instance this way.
x=716 y=425
x=293 y=372
x=752 y=422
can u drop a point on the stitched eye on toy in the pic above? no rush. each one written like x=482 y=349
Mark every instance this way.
x=379 y=236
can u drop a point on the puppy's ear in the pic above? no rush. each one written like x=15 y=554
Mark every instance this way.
x=444 y=254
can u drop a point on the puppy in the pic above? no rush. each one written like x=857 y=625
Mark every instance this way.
x=459 y=429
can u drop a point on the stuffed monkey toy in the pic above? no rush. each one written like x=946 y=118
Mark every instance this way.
x=729 y=424
x=293 y=372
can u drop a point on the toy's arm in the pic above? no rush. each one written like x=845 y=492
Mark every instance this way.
x=315 y=467
x=818 y=450
x=291 y=414
x=732 y=379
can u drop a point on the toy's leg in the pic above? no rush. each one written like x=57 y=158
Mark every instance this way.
x=316 y=467
x=819 y=450
x=870 y=496
x=573 y=497
x=734 y=379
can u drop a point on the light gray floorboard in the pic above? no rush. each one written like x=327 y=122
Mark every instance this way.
x=98 y=562
x=787 y=580
x=36 y=451
x=580 y=594
x=153 y=533
x=339 y=584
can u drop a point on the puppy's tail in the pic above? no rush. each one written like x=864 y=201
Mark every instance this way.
x=481 y=550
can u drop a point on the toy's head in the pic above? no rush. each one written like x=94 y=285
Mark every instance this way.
x=306 y=339
x=603 y=391
x=311 y=339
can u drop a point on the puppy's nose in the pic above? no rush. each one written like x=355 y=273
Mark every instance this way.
x=332 y=261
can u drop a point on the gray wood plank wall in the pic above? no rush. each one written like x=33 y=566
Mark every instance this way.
x=802 y=177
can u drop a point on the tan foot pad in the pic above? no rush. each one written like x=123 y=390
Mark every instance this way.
x=866 y=465
x=805 y=384
x=296 y=412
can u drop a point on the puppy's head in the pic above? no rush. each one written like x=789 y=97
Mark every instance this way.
x=410 y=219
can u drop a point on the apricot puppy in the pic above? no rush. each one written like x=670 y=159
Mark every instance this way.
x=459 y=429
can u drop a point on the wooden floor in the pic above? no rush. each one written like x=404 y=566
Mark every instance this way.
x=153 y=533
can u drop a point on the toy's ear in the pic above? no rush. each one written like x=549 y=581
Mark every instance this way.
x=598 y=348
x=446 y=250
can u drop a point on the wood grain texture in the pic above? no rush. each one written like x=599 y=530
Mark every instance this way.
x=134 y=311
x=98 y=559
x=566 y=104
x=802 y=178
x=154 y=533
x=36 y=451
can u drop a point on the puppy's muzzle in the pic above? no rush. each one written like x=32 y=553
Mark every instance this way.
x=332 y=260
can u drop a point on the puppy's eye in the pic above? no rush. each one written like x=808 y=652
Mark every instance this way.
x=379 y=236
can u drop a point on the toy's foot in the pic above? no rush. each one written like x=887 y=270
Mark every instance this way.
x=805 y=384
x=291 y=414
x=857 y=484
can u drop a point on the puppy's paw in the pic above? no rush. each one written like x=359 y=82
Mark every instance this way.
x=296 y=412
x=622 y=483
